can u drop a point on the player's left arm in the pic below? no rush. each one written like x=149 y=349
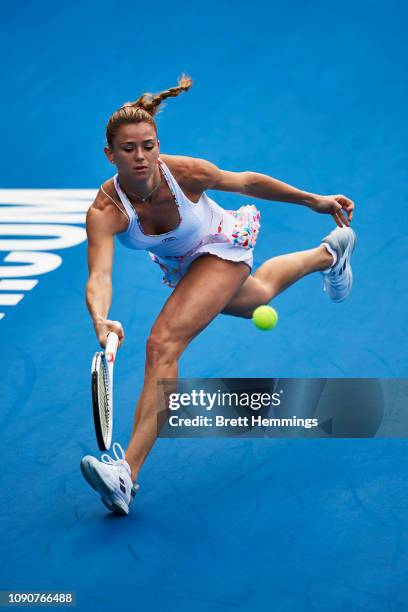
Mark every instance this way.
x=256 y=185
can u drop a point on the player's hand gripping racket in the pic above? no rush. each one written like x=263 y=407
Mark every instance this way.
x=102 y=391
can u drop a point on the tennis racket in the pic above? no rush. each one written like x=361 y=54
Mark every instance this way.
x=102 y=391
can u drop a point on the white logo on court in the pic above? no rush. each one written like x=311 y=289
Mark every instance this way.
x=34 y=222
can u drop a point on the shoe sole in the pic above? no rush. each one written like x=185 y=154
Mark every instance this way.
x=347 y=256
x=350 y=247
x=107 y=494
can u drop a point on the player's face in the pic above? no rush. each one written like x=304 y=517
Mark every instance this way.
x=135 y=151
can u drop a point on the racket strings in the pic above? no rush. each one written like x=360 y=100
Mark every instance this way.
x=104 y=395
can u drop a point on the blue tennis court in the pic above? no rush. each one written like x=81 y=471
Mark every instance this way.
x=311 y=93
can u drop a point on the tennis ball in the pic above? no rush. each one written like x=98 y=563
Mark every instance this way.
x=265 y=317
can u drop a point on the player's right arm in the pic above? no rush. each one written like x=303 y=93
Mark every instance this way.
x=99 y=286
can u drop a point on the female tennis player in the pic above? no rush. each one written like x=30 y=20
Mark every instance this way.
x=159 y=203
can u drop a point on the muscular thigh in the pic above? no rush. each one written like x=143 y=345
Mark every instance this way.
x=202 y=293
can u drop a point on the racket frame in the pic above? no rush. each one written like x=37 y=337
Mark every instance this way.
x=108 y=359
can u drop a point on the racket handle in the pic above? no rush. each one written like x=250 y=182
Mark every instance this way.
x=111 y=347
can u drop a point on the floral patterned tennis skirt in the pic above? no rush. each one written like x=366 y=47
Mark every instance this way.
x=233 y=240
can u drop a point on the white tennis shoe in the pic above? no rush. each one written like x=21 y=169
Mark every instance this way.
x=338 y=280
x=112 y=479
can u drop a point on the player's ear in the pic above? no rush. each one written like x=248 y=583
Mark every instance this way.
x=109 y=154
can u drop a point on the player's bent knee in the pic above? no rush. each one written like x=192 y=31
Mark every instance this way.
x=249 y=297
x=265 y=292
x=162 y=349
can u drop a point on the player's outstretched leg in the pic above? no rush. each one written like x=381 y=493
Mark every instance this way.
x=331 y=258
x=198 y=298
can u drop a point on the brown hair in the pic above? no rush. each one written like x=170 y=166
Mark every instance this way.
x=143 y=109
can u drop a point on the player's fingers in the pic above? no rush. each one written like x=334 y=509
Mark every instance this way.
x=336 y=219
x=116 y=326
x=342 y=218
x=347 y=205
x=340 y=224
x=121 y=335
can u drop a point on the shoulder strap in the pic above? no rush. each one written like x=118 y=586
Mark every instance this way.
x=115 y=203
x=171 y=182
x=124 y=199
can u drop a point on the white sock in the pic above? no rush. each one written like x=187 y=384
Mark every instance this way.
x=332 y=253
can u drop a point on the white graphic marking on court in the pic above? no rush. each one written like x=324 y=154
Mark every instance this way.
x=34 y=222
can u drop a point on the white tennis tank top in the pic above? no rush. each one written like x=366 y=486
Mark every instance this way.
x=197 y=220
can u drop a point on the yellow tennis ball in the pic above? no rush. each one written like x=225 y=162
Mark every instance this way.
x=265 y=317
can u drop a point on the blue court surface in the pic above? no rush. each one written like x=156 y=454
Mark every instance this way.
x=313 y=93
